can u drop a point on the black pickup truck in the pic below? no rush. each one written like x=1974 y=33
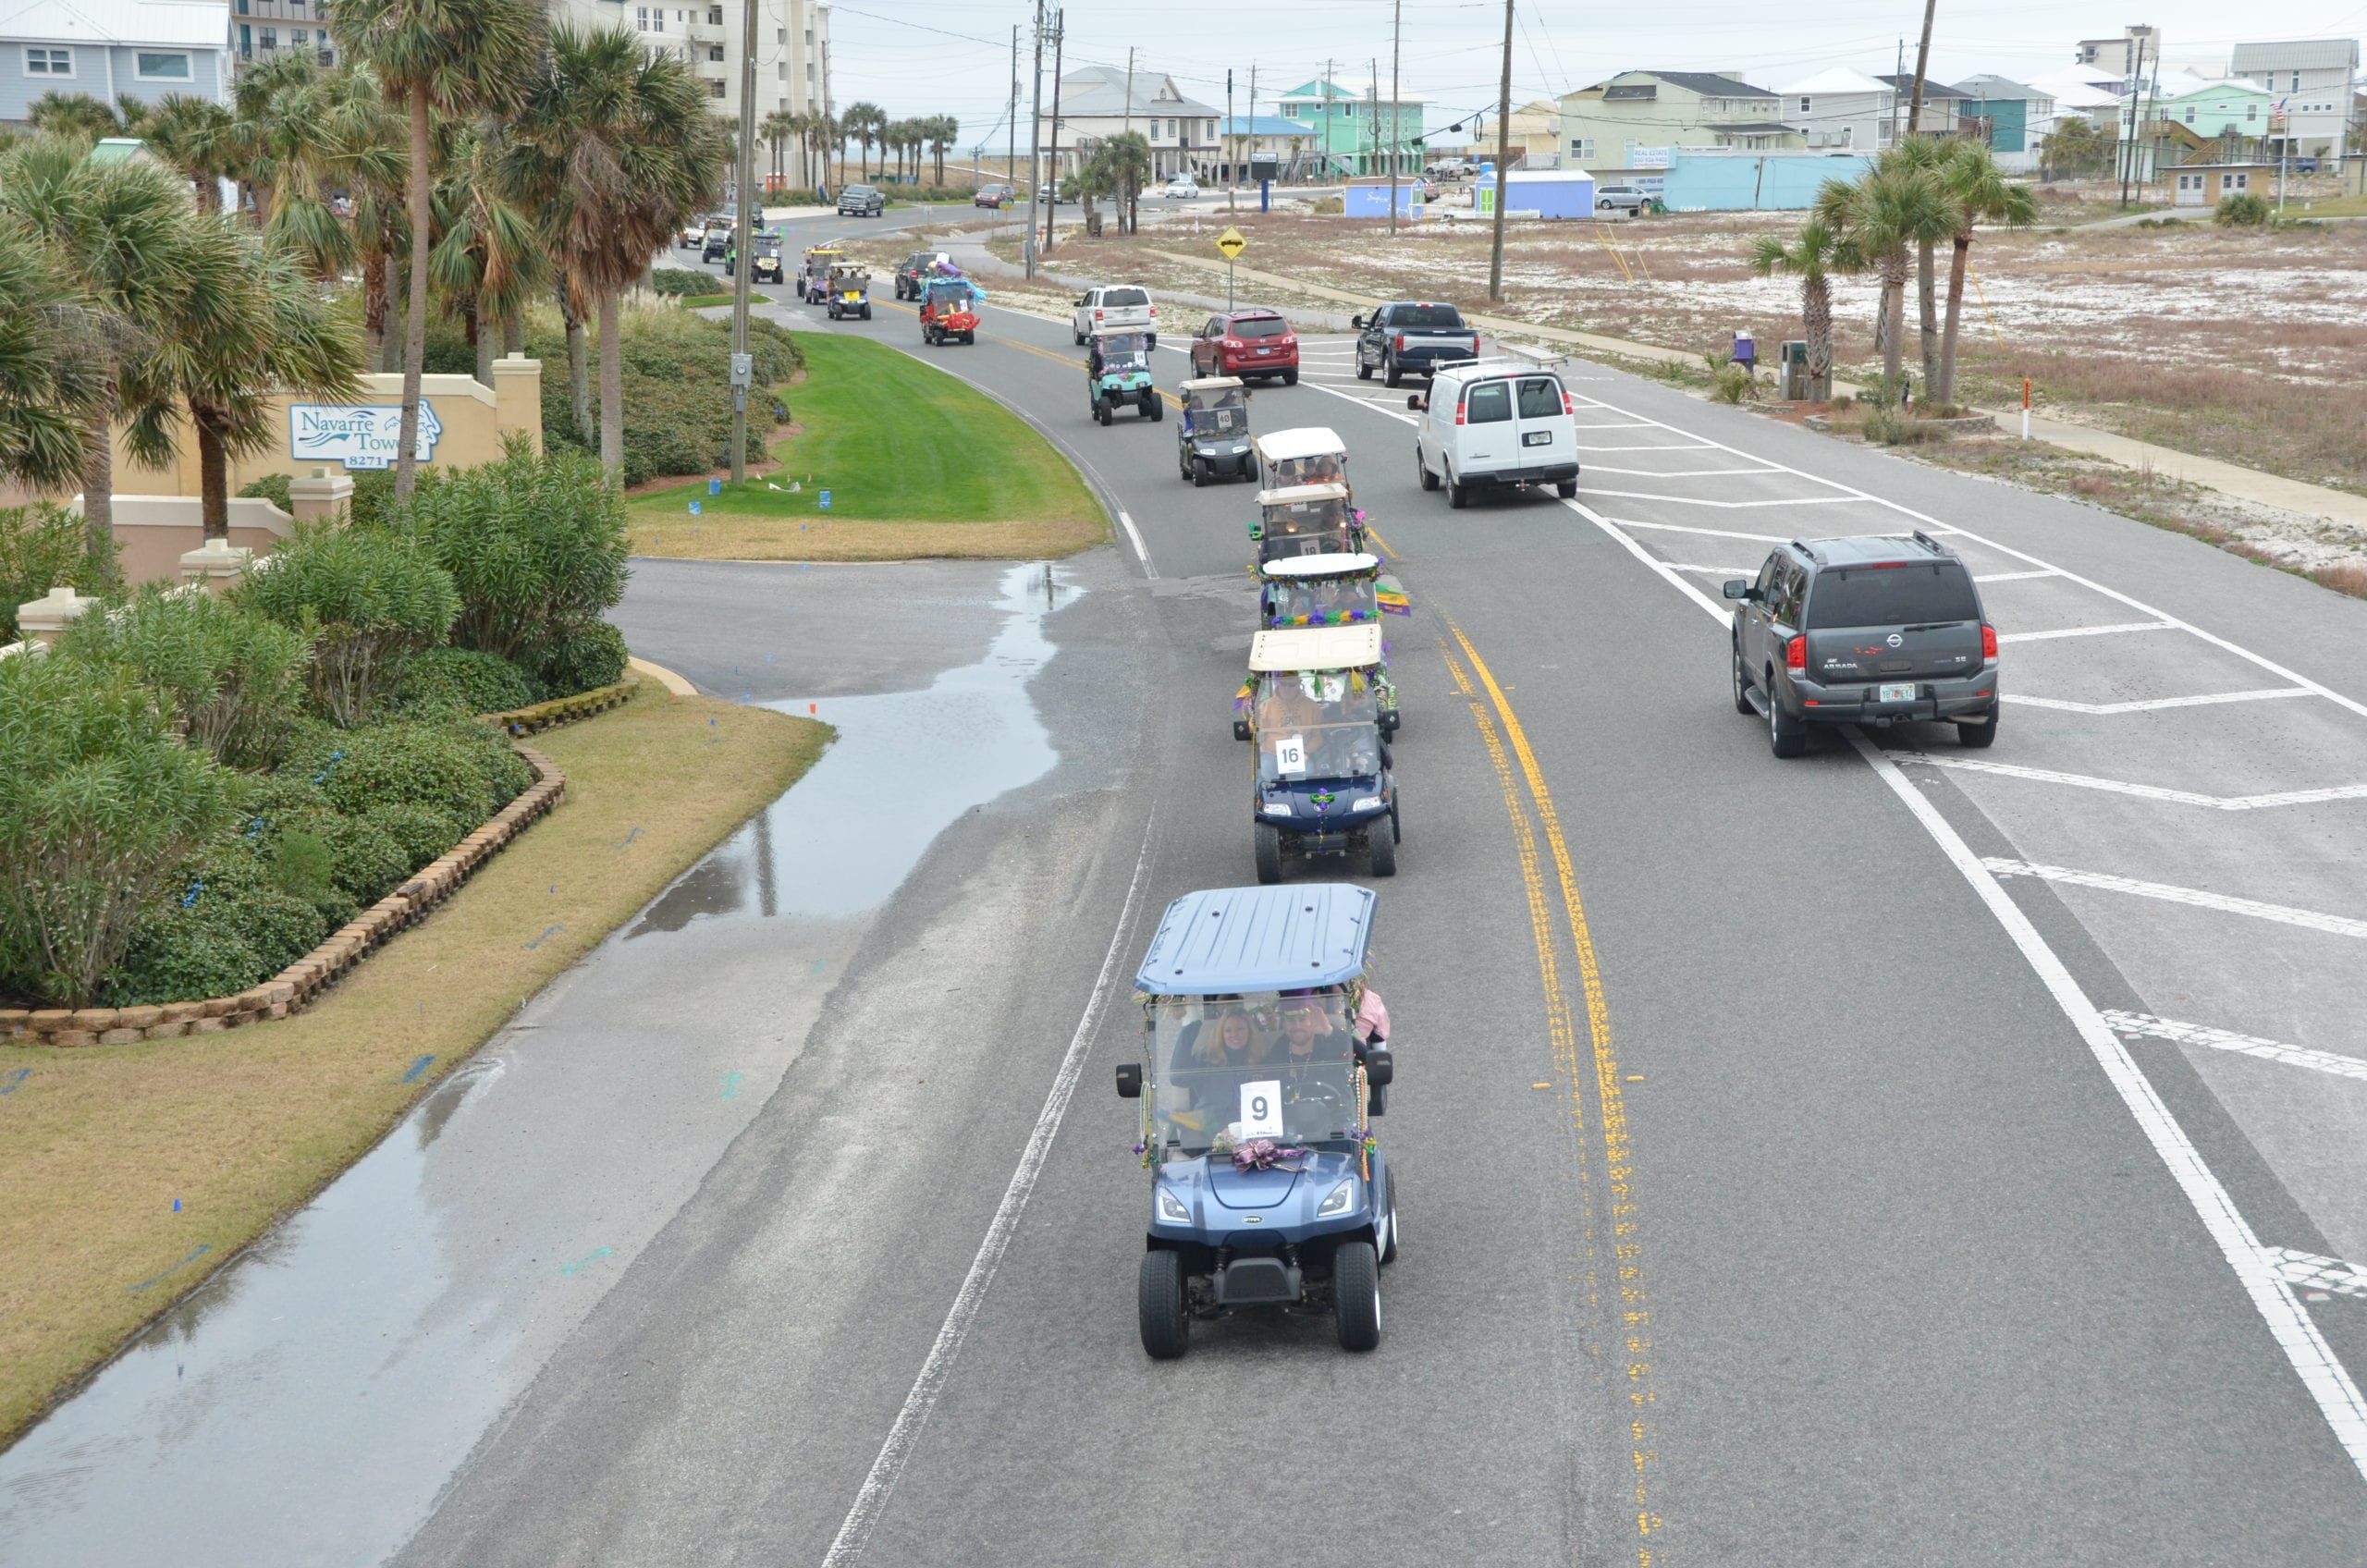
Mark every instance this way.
x=1412 y=338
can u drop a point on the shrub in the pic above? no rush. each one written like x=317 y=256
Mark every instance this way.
x=420 y=831
x=222 y=926
x=43 y=547
x=272 y=487
x=674 y=282
x=456 y=681
x=677 y=389
x=535 y=546
x=593 y=658
x=1733 y=383
x=1884 y=426
x=366 y=861
x=373 y=492
x=463 y=769
x=99 y=803
x=368 y=598
x=2243 y=211
x=232 y=681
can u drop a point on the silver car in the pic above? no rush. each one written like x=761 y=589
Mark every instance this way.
x=1619 y=197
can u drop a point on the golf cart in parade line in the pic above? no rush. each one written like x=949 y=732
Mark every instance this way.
x=850 y=293
x=1117 y=370
x=813 y=274
x=1267 y=1187
x=768 y=266
x=1307 y=520
x=1310 y=455
x=1213 y=435
x=1316 y=591
x=949 y=310
x=1322 y=783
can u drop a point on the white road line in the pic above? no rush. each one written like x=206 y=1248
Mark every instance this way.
x=1713 y=571
x=1584 y=448
x=2086 y=632
x=2150 y=704
x=2306 y=1270
x=1656 y=473
x=2141 y=791
x=1721 y=506
x=2144 y=1025
x=1629 y=424
x=1140 y=554
x=919 y=1405
x=2013 y=576
x=2312 y=920
x=1681 y=528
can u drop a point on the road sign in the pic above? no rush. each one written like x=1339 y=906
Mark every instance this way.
x=1230 y=243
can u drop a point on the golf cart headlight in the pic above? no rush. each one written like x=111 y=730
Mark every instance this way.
x=1365 y=802
x=1278 y=808
x=1171 y=1210
x=1342 y=1197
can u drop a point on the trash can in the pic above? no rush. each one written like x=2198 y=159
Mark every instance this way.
x=1793 y=358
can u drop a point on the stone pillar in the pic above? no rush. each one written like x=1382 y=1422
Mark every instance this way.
x=45 y=620
x=319 y=495
x=215 y=566
x=518 y=396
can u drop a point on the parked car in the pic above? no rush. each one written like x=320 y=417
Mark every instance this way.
x=996 y=196
x=1495 y=423
x=861 y=202
x=1450 y=168
x=1619 y=197
x=1412 y=337
x=1246 y=343
x=1114 y=307
x=1874 y=630
x=1181 y=186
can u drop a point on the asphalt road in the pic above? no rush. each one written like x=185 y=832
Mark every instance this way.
x=1777 y=1192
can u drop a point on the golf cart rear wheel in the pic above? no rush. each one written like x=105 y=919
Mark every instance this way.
x=1167 y=1329
x=1355 y=1296
x=1267 y=841
x=971 y=337
x=1384 y=851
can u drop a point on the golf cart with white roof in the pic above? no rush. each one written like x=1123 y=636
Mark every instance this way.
x=1322 y=782
x=1212 y=436
x=1311 y=454
x=1345 y=590
x=1307 y=520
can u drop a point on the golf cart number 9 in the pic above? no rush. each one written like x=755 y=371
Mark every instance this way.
x=1260 y=1110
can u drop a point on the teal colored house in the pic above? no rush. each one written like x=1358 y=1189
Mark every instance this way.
x=2016 y=115
x=1356 y=134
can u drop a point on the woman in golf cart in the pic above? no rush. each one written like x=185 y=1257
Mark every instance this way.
x=1215 y=410
x=1114 y=351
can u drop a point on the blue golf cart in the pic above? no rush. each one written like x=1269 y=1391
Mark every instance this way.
x=1117 y=370
x=1268 y=1188
x=1323 y=783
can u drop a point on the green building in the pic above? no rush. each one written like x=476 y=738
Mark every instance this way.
x=1355 y=133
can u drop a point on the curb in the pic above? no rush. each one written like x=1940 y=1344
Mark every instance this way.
x=673 y=683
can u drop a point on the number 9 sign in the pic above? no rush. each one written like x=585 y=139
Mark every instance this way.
x=1261 y=1109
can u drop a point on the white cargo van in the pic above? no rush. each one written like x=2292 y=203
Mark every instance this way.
x=1495 y=421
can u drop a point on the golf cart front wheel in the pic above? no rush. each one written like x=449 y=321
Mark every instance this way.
x=1267 y=841
x=1101 y=411
x=1389 y=1246
x=1167 y=1329
x=866 y=312
x=1153 y=406
x=1355 y=1296
x=1199 y=473
x=1383 y=844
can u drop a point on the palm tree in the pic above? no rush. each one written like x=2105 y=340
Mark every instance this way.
x=117 y=231
x=1921 y=151
x=263 y=330
x=488 y=256
x=1129 y=158
x=1885 y=215
x=942 y=131
x=619 y=147
x=191 y=134
x=48 y=392
x=456 y=56
x=821 y=134
x=1977 y=191
x=73 y=114
x=1812 y=257
x=777 y=129
x=862 y=120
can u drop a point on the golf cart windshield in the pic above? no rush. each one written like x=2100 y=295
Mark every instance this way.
x=1228 y=1070
x=1304 y=528
x=1332 y=601
x=1124 y=351
x=1222 y=412
x=950 y=296
x=1323 y=725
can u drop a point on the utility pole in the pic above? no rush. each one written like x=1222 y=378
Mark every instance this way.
x=1396 y=131
x=1052 y=202
x=744 y=246
x=1323 y=101
x=1922 y=63
x=1372 y=116
x=1503 y=160
x=2128 y=147
x=1130 y=88
x=1253 y=114
x=1034 y=143
x=1011 y=132
x=1232 y=145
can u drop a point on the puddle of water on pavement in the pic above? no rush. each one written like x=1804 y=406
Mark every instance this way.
x=905 y=766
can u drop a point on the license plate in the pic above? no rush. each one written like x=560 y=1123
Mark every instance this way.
x=1901 y=692
x=1538 y=438
x=1264 y=351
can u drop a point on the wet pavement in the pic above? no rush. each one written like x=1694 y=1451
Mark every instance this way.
x=309 y=1405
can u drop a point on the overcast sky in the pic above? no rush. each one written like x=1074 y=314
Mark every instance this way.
x=936 y=57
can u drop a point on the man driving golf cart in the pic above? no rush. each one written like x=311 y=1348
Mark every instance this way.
x=1213 y=435
x=1117 y=370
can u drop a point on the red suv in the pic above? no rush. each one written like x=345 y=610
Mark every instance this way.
x=1246 y=343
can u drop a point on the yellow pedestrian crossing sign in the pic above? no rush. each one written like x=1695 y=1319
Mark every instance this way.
x=1230 y=243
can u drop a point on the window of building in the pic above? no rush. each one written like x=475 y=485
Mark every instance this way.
x=1804 y=106
x=246 y=42
x=714 y=89
x=49 y=62
x=2190 y=113
x=2251 y=112
x=270 y=38
x=298 y=38
x=714 y=52
x=715 y=15
x=242 y=7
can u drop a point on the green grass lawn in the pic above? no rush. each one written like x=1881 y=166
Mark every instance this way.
x=916 y=464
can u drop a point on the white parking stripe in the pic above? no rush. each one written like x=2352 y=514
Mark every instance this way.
x=1680 y=528
x=2151 y=704
x=2144 y=1025
x=2141 y=791
x=1721 y=506
x=1697 y=474
x=1584 y=448
x=1715 y=570
x=2309 y=920
x=2013 y=576
x=2308 y=1271
x=2086 y=632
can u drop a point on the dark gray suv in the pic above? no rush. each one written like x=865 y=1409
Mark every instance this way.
x=861 y=202
x=1874 y=631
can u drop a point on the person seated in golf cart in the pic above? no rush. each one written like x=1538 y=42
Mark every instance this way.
x=1323 y=782
x=1116 y=353
x=1212 y=437
x=1307 y=520
x=1307 y=455
x=850 y=293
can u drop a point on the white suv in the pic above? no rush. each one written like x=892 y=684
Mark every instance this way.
x=1495 y=421
x=1115 y=307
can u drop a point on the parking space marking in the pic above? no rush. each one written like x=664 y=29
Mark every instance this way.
x=2145 y=1026
x=1697 y=474
x=2308 y=1271
x=2141 y=791
x=1680 y=528
x=2151 y=704
x=2308 y=919
x=2085 y=631
x=1584 y=448
x=1721 y=506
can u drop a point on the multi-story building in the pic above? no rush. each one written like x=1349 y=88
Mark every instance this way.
x=2119 y=57
x=1099 y=102
x=1635 y=120
x=1358 y=132
x=2015 y=115
x=267 y=28
x=113 y=50
x=2315 y=80
x=1941 y=104
x=1841 y=110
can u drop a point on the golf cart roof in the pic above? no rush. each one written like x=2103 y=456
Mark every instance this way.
x=1211 y=384
x=1322 y=565
x=1300 y=494
x=1224 y=941
x=1307 y=441
x=823 y=251
x=1295 y=648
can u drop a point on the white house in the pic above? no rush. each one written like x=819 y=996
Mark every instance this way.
x=1840 y=109
x=2314 y=79
x=112 y=50
x=1099 y=102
